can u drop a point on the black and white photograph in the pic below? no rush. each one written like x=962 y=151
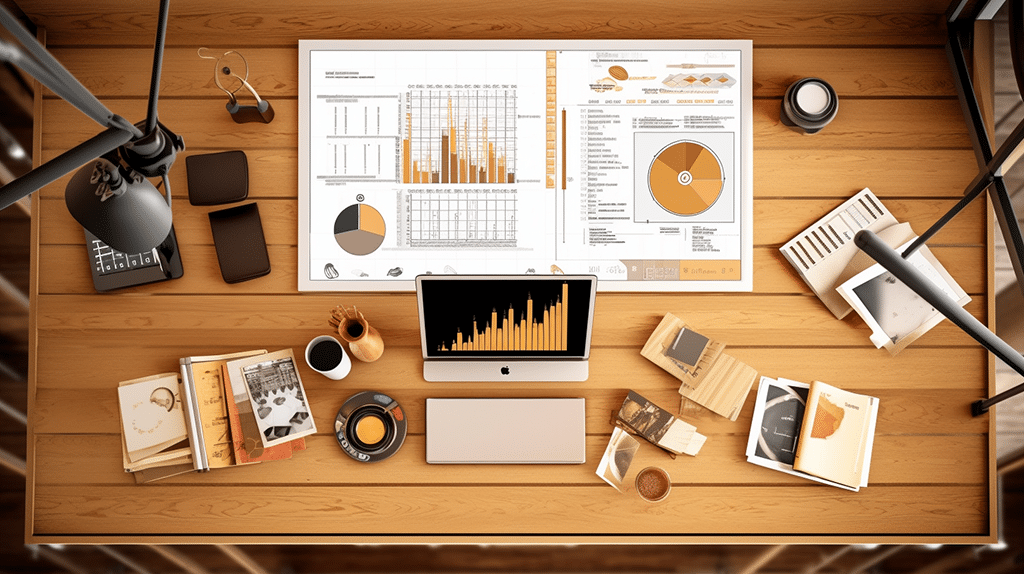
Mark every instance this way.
x=645 y=417
x=897 y=309
x=895 y=313
x=780 y=424
x=277 y=397
x=618 y=455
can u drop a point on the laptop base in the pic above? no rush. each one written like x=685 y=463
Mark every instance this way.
x=438 y=371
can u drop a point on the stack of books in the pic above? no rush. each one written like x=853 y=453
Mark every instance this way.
x=218 y=411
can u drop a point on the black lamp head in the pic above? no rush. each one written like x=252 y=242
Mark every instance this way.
x=122 y=208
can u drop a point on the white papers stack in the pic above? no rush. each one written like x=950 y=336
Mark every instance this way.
x=845 y=278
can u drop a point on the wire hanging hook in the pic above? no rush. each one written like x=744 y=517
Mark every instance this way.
x=218 y=70
x=262 y=111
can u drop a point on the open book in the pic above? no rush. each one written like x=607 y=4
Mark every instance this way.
x=194 y=420
x=815 y=431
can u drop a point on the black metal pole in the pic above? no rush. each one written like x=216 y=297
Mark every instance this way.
x=915 y=280
x=63 y=164
x=56 y=77
x=965 y=93
x=974 y=190
x=158 y=58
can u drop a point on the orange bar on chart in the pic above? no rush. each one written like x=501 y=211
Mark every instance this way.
x=512 y=332
x=406 y=160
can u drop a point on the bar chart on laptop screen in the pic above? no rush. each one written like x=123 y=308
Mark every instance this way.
x=506 y=317
x=518 y=329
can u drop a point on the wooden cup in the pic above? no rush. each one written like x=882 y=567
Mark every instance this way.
x=364 y=342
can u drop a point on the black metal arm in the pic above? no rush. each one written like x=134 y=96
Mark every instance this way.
x=40 y=64
x=961 y=18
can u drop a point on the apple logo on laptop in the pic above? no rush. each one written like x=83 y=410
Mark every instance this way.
x=505 y=371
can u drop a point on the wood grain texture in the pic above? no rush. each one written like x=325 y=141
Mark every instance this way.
x=772 y=273
x=777 y=173
x=787 y=216
x=932 y=124
x=898 y=459
x=904 y=173
x=780 y=22
x=899 y=131
x=446 y=512
x=892 y=72
x=621 y=320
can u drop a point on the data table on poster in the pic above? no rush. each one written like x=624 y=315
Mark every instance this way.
x=630 y=162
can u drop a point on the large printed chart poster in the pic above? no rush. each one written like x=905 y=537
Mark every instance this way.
x=631 y=163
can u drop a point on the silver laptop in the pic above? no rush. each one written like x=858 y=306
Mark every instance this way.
x=506 y=327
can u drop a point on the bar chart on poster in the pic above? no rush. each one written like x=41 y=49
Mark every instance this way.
x=460 y=136
x=630 y=162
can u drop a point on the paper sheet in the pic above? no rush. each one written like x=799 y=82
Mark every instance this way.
x=526 y=157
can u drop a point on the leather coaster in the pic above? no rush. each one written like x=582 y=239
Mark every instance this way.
x=241 y=247
x=217 y=178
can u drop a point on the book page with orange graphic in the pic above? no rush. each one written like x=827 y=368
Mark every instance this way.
x=836 y=435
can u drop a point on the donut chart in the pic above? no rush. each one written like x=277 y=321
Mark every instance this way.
x=359 y=229
x=686 y=178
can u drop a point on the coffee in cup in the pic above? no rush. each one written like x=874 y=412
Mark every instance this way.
x=325 y=355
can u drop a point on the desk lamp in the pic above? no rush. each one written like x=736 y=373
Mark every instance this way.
x=110 y=195
x=960 y=19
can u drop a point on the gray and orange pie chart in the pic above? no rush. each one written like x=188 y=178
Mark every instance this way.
x=359 y=229
x=686 y=178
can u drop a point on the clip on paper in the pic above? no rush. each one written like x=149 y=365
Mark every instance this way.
x=261 y=112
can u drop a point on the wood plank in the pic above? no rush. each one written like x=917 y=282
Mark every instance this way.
x=860 y=124
x=622 y=320
x=875 y=369
x=202 y=123
x=938 y=412
x=870 y=22
x=772 y=273
x=787 y=217
x=905 y=72
x=843 y=172
x=869 y=124
x=777 y=173
x=896 y=460
x=366 y=510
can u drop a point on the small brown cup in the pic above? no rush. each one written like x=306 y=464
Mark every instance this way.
x=653 y=484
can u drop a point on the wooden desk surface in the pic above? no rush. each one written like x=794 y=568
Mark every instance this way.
x=899 y=131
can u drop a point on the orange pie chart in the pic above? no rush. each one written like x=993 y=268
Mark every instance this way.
x=686 y=178
x=359 y=229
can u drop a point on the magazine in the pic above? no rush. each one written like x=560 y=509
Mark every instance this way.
x=837 y=449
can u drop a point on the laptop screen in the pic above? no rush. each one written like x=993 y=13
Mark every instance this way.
x=505 y=316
